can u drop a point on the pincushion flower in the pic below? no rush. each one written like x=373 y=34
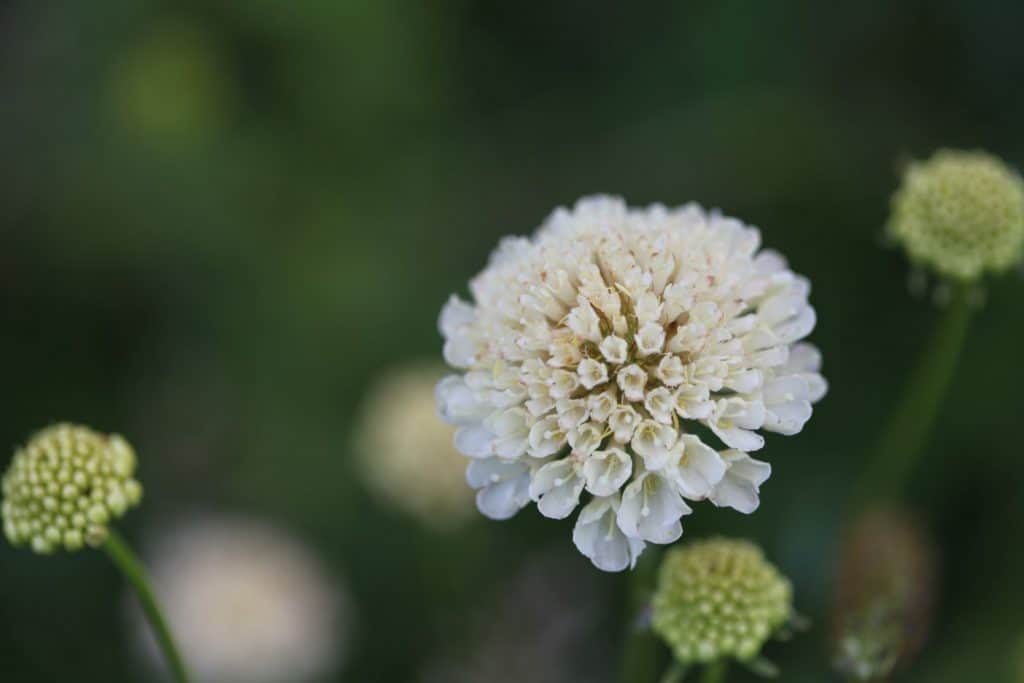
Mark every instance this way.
x=406 y=454
x=632 y=357
x=65 y=486
x=63 y=490
x=248 y=601
x=961 y=214
x=719 y=599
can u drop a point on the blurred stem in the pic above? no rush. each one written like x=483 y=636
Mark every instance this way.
x=132 y=568
x=675 y=674
x=715 y=672
x=906 y=435
x=640 y=654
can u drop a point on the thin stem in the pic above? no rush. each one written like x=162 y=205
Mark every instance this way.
x=715 y=672
x=641 y=653
x=906 y=435
x=132 y=568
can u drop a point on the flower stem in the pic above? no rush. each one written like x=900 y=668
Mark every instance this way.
x=641 y=654
x=715 y=672
x=122 y=556
x=906 y=435
x=675 y=674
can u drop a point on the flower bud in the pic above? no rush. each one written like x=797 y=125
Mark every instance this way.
x=960 y=214
x=884 y=595
x=64 y=487
x=718 y=599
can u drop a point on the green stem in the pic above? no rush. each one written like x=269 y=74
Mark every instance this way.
x=641 y=652
x=715 y=672
x=132 y=568
x=906 y=435
x=675 y=674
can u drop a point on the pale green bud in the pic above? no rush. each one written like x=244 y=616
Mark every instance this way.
x=718 y=599
x=960 y=214
x=64 y=487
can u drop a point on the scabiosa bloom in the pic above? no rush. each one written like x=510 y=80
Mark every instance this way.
x=406 y=454
x=960 y=214
x=65 y=486
x=719 y=599
x=595 y=355
x=247 y=601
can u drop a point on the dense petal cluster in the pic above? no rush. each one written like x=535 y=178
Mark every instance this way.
x=65 y=486
x=247 y=602
x=960 y=214
x=406 y=454
x=608 y=353
x=719 y=598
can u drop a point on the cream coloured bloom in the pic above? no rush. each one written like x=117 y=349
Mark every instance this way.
x=591 y=351
x=406 y=454
x=246 y=602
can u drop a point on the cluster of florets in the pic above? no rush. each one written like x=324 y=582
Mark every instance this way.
x=596 y=353
x=65 y=486
x=960 y=214
x=719 y=599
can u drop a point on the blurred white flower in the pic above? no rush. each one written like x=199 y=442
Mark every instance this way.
x=406 y=454
x=591 y=351
x=246 y=603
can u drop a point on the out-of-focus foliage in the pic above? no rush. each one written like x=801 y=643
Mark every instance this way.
x=221 y=221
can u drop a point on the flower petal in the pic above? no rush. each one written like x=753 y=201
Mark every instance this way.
x=699 y=469
x=474 y=441
x=557 y=487
x=739 y=488
x=599 y=538
x=503 y=486
x=606 y=471
x=651 y=509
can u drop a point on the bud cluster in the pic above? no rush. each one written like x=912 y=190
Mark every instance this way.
x=64 y=487
x=719 y=598
x=960 y=214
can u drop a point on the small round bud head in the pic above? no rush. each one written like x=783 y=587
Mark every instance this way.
x=960 y=214
x=719 y=598
x=64 y=487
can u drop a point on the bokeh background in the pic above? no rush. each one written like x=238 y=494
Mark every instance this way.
x=221 y=221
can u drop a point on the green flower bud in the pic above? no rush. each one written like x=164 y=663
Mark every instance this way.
x=64 y=487
x=718 y=599
x=960 y=214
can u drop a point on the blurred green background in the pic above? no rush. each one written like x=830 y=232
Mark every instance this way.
x=221 y=220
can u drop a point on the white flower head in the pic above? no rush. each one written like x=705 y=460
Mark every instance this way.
x=611 y=334
x=246 y=602
x=405 y=454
